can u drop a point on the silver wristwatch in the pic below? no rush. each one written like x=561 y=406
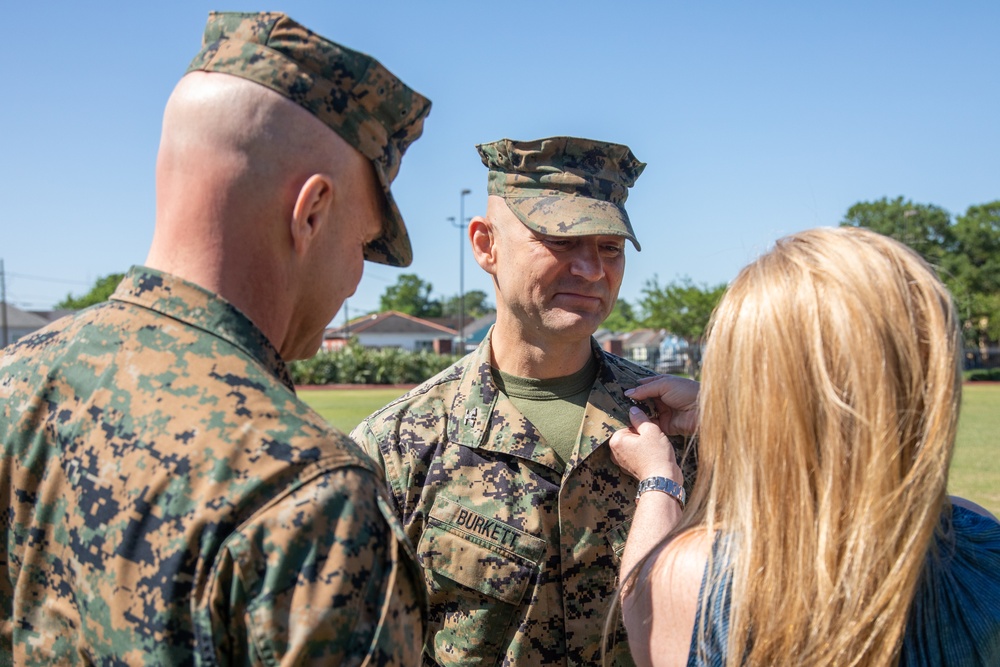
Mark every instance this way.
x=667 y=486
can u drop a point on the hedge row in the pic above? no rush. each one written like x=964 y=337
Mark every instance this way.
x=983 y=375
x=355 y=364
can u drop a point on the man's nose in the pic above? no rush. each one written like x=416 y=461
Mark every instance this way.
x=587 y=263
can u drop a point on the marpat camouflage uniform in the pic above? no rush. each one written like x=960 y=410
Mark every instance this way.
x=169 y=500
x=520 y=555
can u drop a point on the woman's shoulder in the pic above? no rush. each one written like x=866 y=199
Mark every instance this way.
x=955 y=616
x=665 y=600
x=685 y=557
x=969 y=512
x=969 y=535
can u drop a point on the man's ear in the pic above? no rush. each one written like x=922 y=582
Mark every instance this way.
x=311 y=211
x=482 y=234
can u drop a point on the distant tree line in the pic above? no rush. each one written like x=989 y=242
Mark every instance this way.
x=99 y=293
x=965 y=249
x=412 y=296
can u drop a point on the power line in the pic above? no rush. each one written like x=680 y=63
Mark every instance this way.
x=48 y=280
x=3 y=307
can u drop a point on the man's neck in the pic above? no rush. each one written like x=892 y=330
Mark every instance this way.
x=248 y=290
x=538 y=357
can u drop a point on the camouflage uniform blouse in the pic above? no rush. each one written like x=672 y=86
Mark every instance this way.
x=520 y=555
x=169 y=500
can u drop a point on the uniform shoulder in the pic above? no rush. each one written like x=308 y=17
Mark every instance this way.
x=333 y=447
x=60 y=332
x=423 y=397
x=84 y=340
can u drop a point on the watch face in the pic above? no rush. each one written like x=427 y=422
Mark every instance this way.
x=668 y=486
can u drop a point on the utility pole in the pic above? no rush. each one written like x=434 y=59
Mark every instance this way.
x=461 y=268
x=3 y=305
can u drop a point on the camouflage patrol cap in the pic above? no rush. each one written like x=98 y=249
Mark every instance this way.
x=351 y=92
x=564 y=186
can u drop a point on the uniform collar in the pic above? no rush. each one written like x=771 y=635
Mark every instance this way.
x=199 y=308
x=477 y=419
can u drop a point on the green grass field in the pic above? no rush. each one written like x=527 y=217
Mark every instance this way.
x=975 y=470
x=345 y=408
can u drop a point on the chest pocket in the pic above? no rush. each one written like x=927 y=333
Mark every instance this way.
x=478 y=570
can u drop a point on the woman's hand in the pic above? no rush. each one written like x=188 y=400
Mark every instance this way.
x=676 y=402
x=644 y=450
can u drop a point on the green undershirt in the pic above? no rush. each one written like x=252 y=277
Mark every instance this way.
x=554 y=407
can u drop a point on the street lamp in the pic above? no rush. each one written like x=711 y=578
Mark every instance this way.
x=461 y=267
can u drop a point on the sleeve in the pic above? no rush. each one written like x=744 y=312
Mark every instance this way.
x=319 y=577
x=387 y=458
x=362 y=435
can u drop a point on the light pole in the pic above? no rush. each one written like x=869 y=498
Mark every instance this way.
x=3 y=304
x=461 y=267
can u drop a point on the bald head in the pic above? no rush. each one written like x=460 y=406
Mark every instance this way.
x=235 y=163
x=500 y=218
x=496 y=208
x=242 y=138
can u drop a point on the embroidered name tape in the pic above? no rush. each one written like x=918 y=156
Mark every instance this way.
x=475 y=525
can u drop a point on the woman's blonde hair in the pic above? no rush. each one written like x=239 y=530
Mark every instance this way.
x=831 y=389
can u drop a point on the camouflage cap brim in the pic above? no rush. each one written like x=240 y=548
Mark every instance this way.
x=393 y=246
x=560 y=215
x=564 y=186
x=351 y=92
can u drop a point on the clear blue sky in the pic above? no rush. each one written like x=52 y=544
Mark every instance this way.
x=756 y=119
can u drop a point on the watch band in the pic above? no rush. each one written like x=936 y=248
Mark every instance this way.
x=664 y=484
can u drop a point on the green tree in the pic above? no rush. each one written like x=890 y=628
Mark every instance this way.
x=972 y=272
x=966 y=254
x=924 y=227
x=682 y=308
x=99 y=293
x=412 y=296
x=622 y=318
x=477 y=304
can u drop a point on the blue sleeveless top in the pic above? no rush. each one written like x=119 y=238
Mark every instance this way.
x=955 y=616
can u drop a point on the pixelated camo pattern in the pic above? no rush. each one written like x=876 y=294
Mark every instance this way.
x=351 y=92
x=169 y=500
x=564 y=186
x=520 y=554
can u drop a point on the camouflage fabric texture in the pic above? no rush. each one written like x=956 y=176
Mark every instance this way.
x=520 y=554
x=564 y=186
x=354 y=94
x=170 y=501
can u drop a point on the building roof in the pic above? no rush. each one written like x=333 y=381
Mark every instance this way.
x=53 y=315
x=643 y=338
x=23 y=319
x=449 y=321
x=389 y=322
x=602 y=335
x=479 y=324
